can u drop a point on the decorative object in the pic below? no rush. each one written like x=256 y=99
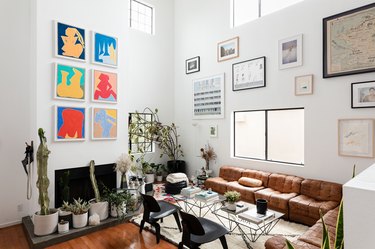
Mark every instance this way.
x=192 y=65
x=80 y=210
x=261 y=206
x=94 y=219
x=363 y=94
x=104 y=87
x=45 y=221
x=70 y=123
x=232 y=198
x=208 y=154
x=213 y=130
x=303 y=85
x=249 y=74
x=208 y=97
x=105 y=50
x=104 y=123
x=348 y=42
x=290 y=52
x=228 y=49
x=160 y=171
x=356 y=137
x=70 y=42
x=69 y=82
x=123 y=165
x=63 y=226
x=97 y=205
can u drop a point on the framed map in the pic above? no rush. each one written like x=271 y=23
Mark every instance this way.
x=249 y=74
x=349 y=43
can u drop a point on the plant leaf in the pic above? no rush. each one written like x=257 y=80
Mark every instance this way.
x=289 y=245
x=339 y=240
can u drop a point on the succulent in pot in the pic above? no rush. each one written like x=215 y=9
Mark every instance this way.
x=80 y=210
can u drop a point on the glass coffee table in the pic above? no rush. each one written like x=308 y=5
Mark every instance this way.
x=251 y=228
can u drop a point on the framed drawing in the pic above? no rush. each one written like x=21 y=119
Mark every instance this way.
x=105 y=50
x=228 y=49
x=348 y=42
x=303 y=85
x=363 y=94
x=104 y=123
x=213 y=130
x=104 y=86
x=290 y=52
x=192 y=65
x=208 y=97
x=249 y=74
x=70 y=42
x=356 y=137
x=69 y=82
x=69 y=123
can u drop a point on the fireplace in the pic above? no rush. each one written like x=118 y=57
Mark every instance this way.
x=75 y=182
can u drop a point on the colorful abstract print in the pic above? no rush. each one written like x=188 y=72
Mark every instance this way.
x=70 y=82
x=104 y=123
x=105 y=49
x=70 y=41
x=70 y=123
x=105 y=86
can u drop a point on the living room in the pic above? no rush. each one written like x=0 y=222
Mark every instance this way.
x=151 y=73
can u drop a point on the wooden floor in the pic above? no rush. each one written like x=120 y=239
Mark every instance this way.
x=124 y=236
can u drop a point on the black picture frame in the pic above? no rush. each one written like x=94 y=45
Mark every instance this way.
x=248 y=70
x=363 y=94
x=192 y=65
x=329 y=25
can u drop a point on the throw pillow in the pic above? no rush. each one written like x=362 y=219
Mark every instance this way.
x=250 y=182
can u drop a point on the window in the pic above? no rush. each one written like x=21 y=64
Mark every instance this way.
x=243 y=11
x=271 y=135
x=138 y=142
x=141 y=17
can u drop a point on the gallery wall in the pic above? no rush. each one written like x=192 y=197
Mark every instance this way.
x=145 y=78
x=205 y=23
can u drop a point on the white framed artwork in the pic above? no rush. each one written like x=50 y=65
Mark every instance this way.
x=290 y=52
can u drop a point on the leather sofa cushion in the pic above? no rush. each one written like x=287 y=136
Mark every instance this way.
x=247 y=193
x=322 y=190
x=230 y=173
x=330 y=218
x=278 y=242
x=285 y=183
x=250 y=182
x=217 y=184
x=315 y=234
x=257 y=174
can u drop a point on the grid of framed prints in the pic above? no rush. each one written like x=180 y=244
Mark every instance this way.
x=70 y=84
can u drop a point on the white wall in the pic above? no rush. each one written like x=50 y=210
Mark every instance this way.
x=200 y=25
x=145 y=78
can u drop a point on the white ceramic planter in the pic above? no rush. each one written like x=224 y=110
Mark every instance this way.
x=63 y=228
x=45 y=224
x=159 y=178
x=116 y=211
x=150 y=178
x=231 y=206
x=100 y=208
x=80 y=220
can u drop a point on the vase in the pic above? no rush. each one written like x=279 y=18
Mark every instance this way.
x=124 y=181
x=231 y=206
x=261 y=206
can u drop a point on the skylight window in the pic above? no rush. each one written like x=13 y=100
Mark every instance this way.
x=142 y=17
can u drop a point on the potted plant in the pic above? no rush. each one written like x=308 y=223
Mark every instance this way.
x=97 y=205
x=160 y=170
x=232 y=198
x=63 y=226
x=123 y=164
x=148 y=171
x=80 y=210
x=65 y=213
x=118 y=201
x=208 y=154
x=165 y=136
x=45 y=221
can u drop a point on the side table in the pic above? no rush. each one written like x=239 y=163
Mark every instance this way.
x=201 y=179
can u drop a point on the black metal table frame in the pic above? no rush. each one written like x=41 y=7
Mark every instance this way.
x=190 y=202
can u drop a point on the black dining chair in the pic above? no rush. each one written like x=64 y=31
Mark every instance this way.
x=197 y=231
x=157 y=210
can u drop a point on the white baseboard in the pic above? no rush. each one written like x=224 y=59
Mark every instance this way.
x=8 y=224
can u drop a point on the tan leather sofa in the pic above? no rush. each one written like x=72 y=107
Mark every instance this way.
x=226 y=174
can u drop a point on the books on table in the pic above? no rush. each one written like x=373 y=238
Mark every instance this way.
x=207 y=196
x=190 y=191
x=252 y=216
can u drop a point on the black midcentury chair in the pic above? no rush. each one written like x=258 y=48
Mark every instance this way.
x=157 y=210
x=198 y=231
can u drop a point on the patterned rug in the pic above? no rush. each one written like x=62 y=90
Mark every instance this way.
x=170 y=232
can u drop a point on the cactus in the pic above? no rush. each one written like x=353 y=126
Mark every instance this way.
x=93 y=181
x=43 y=181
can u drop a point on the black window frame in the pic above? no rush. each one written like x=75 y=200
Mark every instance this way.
x=131 y=144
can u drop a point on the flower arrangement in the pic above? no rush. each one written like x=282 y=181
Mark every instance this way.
x=123 y=164
x=208 y=154
x=232 y=196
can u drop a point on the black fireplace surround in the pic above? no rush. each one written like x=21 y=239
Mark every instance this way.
x=78 y=183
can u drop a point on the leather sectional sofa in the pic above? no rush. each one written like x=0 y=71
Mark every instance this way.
x=300 y=199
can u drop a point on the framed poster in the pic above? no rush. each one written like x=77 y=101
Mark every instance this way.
x=69 y=82
x=348 y=42
x=303 y=85
x=213 y=130
x=356 y=137
x=69 y=123
x=70 y=42
x=104 y=87
x=104 y=123
x=290 y=52
x=208 y=97
x=363 y=94
x=228 y=49
x=192 y=65
x=105 y=50
x=249 y=74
